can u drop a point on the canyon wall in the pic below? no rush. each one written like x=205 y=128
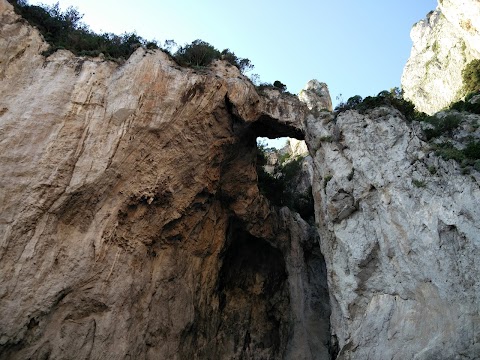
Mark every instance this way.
x=132 y=225
x=443 y=44
x=131 y=222
x=399 y=230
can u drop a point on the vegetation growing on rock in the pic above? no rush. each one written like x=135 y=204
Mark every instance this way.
x=467 y=104
x=441 y=126
x=394 y=98
x=440 y=130
x=201 y=53
x=65 y=30
x=471 y=77
x=279 y=188
x=443 y=130
x=277 y=85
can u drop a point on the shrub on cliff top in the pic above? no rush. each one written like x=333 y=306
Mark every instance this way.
x=394 y=98
x=201 y=53
x=280 y=86
x=198 y=53
x=65 y=30
x=243 y=64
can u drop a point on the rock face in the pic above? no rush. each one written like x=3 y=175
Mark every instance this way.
x=401 y=242
x=443 y=44
x=316 y=96
x=130 y=218
x=132 y=226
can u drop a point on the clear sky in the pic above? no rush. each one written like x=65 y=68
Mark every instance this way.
x=356 y=47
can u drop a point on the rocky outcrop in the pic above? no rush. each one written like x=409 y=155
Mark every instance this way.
x=130 y=218
x=401 y=241
x=132 y=226
x=443 y=44
x=316 y=96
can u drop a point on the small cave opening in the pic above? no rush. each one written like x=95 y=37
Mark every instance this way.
x=253 y=297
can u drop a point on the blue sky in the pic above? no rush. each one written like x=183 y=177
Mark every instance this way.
x=356 y=47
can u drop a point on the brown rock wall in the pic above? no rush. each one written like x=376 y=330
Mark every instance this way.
x=131 y=225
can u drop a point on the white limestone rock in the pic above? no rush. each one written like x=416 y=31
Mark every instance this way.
x=316 y=96
x=401 y=244
x=443 y=44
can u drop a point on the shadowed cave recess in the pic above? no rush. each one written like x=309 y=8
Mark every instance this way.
x=253 y=302
x=272 y=292
x=257 y=316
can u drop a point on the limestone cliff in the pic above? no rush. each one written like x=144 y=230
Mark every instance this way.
x=400 y=232
x=443 y=44
x=130 y=218
x=132 y=225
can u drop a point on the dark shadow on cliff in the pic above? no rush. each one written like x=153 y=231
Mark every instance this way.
x=252 y=319
x=254 y=299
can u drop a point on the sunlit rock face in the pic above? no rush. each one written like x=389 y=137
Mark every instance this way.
x=443 y=44
x=131 y=224
x=401 y=241
x=316 y=96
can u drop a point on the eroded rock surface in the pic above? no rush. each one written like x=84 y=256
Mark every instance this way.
x=443 y=44
x=316 y=96
x=131 y=224
x=401 y=242
x=130 y=218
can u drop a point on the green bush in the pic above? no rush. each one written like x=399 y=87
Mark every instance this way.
x=201 y=53
x=284 y=157
x=472 y=150
x=447 y=151
x=243 y=64
x=198 y=53
x=351 y=104
x=326 y=138
x=466 y=105
x=152 y=45
x=471 y=77
x=277 y=85
x=418 y=183
x=65 y=30
x=393 y=98
x=280 y=86
x=476 y=165
x=442 y=126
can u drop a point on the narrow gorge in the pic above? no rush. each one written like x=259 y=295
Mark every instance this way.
x=133 y=226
